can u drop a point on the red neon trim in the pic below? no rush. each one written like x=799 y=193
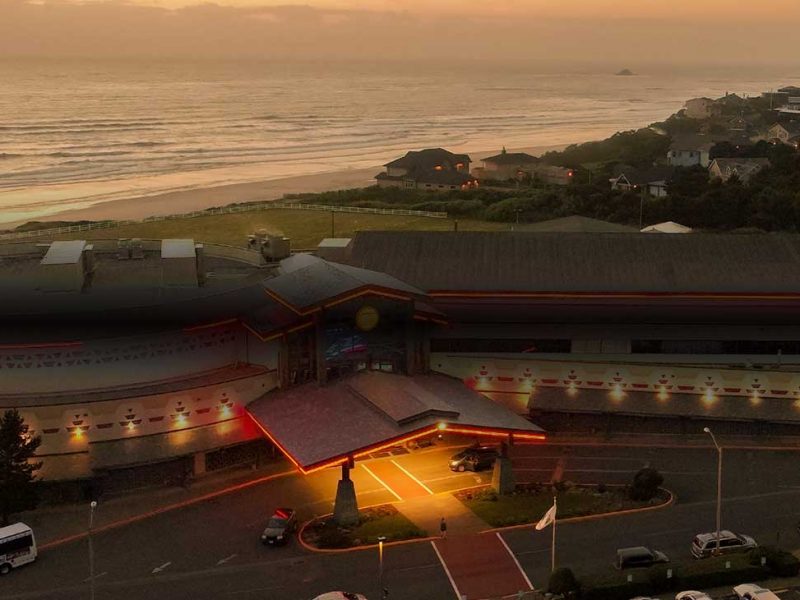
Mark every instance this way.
x=41 y=345
x=517 y=435
x=210 y=325
x=365 y=291
x=621 y=295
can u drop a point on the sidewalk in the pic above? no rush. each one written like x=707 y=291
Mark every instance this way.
x=58 y=524
x=426 y=513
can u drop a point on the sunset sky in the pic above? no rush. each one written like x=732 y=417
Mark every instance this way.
x=609 y=31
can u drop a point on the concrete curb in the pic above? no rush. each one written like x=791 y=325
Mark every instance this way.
x=617 y=513
x=669 y=502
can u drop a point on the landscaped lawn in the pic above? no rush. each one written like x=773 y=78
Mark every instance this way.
x=374 y=522
x=528 y=505
x=305 y=227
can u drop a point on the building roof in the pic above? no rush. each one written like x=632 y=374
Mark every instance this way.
x=177 y=248
x=743 y=168
x=316 y=425
x=583 y=262
x=789 y=89
x=667 y=227
x=792 y=127
x=512 y=158
x=64 y=253
x=306 y=281
x=655 y=174
x=695 y=142
x=14 y=529
x=576 y=224
x=428 y=159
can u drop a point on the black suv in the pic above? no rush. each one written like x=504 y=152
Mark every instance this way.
x=280 y=527
x=473 y=459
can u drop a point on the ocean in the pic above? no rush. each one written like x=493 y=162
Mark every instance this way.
x=77 y=132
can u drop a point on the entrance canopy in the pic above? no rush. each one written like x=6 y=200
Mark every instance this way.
x=317 y=427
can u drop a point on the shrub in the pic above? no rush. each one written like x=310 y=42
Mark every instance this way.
x=645 y=484
x=332 y=537
x=616 y=591
x=602 y=488
x=562 y=581
x=780 y=562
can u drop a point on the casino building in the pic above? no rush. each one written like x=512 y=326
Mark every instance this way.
x=183 y=357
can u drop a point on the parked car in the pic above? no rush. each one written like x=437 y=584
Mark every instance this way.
x=280 y=527
x=639 y=556
x=751 y=591
x=473 y=459
x=340 y=596
x=692 y=595
x=705 y=544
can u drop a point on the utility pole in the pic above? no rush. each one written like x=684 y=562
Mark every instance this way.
x=641 y=206
x=719 y=484
x=92 y=506
x=333 y=233
x=384 y=593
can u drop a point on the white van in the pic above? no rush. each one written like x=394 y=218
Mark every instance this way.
x=17 y=547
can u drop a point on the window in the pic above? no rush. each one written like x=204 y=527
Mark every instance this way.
x=715 y=347
x=499 y=346
x=15 y=545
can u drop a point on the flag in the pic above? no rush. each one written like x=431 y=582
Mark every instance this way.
x=548 y=519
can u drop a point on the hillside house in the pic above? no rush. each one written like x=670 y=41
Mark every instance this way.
x=433 y=169
x=743 y=168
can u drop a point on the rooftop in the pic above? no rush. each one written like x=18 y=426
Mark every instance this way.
x=64 y=253
x=511 y=158
x=317 y=425
x=583 y=262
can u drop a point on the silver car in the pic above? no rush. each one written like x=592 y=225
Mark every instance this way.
x=705 y=544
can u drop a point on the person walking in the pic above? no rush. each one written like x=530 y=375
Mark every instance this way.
x=443 y=527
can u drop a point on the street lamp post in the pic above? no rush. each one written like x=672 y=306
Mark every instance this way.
x=719 y=484
x=383 y=592
x=92 y=506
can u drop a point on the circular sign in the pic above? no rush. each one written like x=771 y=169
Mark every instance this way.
x=367 y=318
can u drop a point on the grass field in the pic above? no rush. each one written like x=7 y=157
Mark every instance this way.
x=305 y=227
x=529 y=506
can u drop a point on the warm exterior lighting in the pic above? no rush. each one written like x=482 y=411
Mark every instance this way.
x=616 y=392
x=572 y=389
x=438 y=167
x=442 y=426
x=755 y=398
x=709 y=396
x=180 y=418
x=663 y=394
x=131 y=426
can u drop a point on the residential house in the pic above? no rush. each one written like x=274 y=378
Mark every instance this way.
x=690 y=150
x=653 y=181
x=552 y=174
x=743 y=168
x=667 y=227
x=507 y=165
x=432 y=169
x=701 y=108
x=785 y=133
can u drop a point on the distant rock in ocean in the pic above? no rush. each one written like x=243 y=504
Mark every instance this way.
x=625 y=72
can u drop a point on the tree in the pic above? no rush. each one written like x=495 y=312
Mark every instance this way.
x=563 y=582
x=645 y=484
x=17 y=479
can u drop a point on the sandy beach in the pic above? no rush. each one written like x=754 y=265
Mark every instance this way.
x=185 y=201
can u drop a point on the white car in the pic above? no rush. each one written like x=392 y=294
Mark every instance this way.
x=751 y=591
x=692 y=595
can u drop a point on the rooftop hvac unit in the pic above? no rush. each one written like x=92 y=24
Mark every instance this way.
x=137 y=249
x=123 y=249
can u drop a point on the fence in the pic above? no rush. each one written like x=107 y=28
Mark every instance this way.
x=224 y=210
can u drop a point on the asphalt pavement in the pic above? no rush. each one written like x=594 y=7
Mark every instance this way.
x=212 y=549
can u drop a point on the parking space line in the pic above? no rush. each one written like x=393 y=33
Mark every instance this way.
x=407 y=472
x=514 y=558
x=379 y=480
x=446 y=570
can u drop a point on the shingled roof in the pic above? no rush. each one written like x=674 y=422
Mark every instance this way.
x=583 y=262
x=512 y=158
x=428 y=159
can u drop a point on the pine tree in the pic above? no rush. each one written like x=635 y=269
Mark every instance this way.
x=17 y=479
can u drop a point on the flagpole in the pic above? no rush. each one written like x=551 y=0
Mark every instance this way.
x=553 y=549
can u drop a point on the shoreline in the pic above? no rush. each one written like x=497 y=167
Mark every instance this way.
x=186 y=201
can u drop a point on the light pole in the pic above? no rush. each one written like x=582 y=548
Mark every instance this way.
x=383 y=592
x=92 y=506
x=719 y=483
